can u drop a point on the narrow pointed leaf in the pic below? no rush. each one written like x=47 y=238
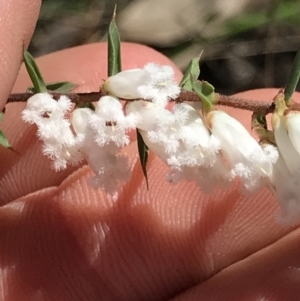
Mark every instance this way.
x=59 y=87
x=34 y=73
x=2 y=115
x=143 y=154
x=3 y=140
x=293 y=79
x=114 y=48
x=192 y=73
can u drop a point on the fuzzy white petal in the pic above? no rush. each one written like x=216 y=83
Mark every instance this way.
x=284 y=144
x=59 y=142
x=110 y=123
x=292 y=121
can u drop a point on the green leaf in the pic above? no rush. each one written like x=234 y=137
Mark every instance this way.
x=143 y=154
x=3 y=140
x=34 y=73
x=293 y=79
x=191 y=74
x=207 y=94
x=58 y=87
x=114 y=47
x=2 y=114
x=259 y=125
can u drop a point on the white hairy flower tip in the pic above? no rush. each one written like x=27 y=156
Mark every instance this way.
x=160 y=124
x=247 y=159
x=148 y=114
x=153 y=82
x=110 y=124
x=200 y=145
x=54 y=130
x=111 y=168
x=284 y=143
x=162 y=86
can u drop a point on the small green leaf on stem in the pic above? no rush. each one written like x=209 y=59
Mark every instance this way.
x=207 y=94
x=2 y=114
x=114 y=47
x=34 y=73
x=293 y=79
x=3 y=140
x=143 y=154
x=192 y=73
x=58 y=87
x=259 y=125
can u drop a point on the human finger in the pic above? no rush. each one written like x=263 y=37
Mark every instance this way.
x=17 y=23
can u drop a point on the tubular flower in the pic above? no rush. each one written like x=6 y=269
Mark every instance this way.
x=59 y=142
x=245 y=156
x=181 y=140
x=285 y=181
x=284 y=143
x=195 y=136
x=159 y=124
x=110 y=124
x=110 y=167
x=285 y=187
x=292 y=123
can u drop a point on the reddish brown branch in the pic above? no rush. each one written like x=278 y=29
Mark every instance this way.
x=229 y=101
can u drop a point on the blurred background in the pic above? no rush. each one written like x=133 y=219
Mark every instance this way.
x=246 y=43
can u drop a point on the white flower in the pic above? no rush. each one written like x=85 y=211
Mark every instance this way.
x=110 y=167
x=109 y=122
x=125 y=83
x=160 y=124
x=246 y=157
x=60 y=145
x=285 y=181
x=199 y=159
x=153 y=82
x=162 y=86
x=195 y=136
x=284 y=143
x=183 y=142
x=285 y=188
x=292 y=123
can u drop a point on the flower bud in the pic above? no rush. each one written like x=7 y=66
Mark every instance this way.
x=125 y=84
x=79 y=120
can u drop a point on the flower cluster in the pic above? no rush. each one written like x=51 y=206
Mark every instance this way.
x=210 y=149
x=96 y=136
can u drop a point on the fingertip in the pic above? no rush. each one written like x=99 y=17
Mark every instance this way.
x=17 y=23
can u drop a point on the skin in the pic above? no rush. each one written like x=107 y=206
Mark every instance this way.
x=61 y=240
